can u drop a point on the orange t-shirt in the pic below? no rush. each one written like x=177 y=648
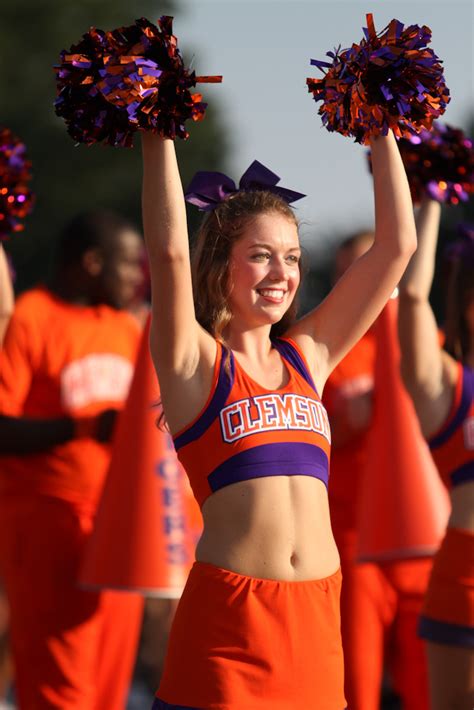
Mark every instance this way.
x=62 y=359
x=353 y=375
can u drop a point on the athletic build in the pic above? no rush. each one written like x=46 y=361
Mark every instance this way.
x=267 y=538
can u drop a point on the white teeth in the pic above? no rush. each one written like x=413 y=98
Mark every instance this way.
x=270 y=293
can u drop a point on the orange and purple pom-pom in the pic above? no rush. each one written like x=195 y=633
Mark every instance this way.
x=439 y=163
x=112 y=84
x=389 y=81
x=16 y=199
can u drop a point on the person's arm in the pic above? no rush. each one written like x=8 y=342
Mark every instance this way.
x=7 y=298
x=329 y=332
x=25 y=435
x=182 y=351
x=427 y=371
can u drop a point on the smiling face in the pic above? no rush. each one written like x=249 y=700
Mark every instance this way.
x=263 y=222
x=264 y=270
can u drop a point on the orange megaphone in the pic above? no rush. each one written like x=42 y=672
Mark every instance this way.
x=403 y=506
x=148 y=522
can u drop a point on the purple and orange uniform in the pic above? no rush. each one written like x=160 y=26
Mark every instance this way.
x=238 y=641
x=248 y=432
x=448 y=614
x=453 y=446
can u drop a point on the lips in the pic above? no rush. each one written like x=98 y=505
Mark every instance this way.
x=274 y=295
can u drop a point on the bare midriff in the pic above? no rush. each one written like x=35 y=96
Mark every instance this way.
x=275 y=527
x=462 y=511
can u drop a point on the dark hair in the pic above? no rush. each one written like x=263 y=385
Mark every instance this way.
x=459 y=291
x=88 y=230
x=211 y=256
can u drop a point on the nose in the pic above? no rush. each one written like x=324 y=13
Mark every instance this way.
x=278 y=270
x=139 y=276
x=136 y=276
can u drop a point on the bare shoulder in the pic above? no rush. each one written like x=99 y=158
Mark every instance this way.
x=313 y=352
x=450 y=378
x=433 y=409
x=185 y=387
x=450 y=370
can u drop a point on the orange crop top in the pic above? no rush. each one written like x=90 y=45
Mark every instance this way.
x=246 y=431
x=453 y=446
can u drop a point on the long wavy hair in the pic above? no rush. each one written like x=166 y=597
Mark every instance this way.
x=460 y=292
x=211 y=256
x=210 y=261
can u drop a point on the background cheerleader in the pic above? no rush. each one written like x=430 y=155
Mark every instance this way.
x=441 y=383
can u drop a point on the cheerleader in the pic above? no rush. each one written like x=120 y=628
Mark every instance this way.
x=440 y=380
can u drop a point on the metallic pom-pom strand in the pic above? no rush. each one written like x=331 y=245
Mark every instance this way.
x=112 y=84
x=439 y=163
x=390 y=80
x=16 y=198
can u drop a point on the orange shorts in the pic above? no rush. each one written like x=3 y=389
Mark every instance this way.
x=240 y=642
x=448 y=613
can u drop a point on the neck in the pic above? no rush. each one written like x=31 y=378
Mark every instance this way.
x=254 y=342
x=73 y=290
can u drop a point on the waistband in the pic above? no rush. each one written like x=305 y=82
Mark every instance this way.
x=211 y=571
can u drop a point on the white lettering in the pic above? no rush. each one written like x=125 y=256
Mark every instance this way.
x=100 y=377
x=273 y=412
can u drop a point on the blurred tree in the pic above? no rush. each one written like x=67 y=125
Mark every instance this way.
x=69 y=178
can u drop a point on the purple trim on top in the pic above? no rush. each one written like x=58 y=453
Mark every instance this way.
x=291 y=355
x=276 y=459
x=223 y=387
x=463 y=474
x=460 y=415
x=161 y=705
x=444 y=632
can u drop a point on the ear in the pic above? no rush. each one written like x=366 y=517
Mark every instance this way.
x=93 y=262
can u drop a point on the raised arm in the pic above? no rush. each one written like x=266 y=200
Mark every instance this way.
x=166 y=238
x=428 y=372
x=182 y=351
x=330 y=331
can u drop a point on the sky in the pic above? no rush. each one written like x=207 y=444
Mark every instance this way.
x=263 y=50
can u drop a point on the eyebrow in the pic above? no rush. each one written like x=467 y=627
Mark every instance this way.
x=268 y=246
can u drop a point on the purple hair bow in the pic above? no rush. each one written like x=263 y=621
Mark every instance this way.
x=208 y=189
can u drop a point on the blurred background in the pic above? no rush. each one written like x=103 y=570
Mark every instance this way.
x=261 y=110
